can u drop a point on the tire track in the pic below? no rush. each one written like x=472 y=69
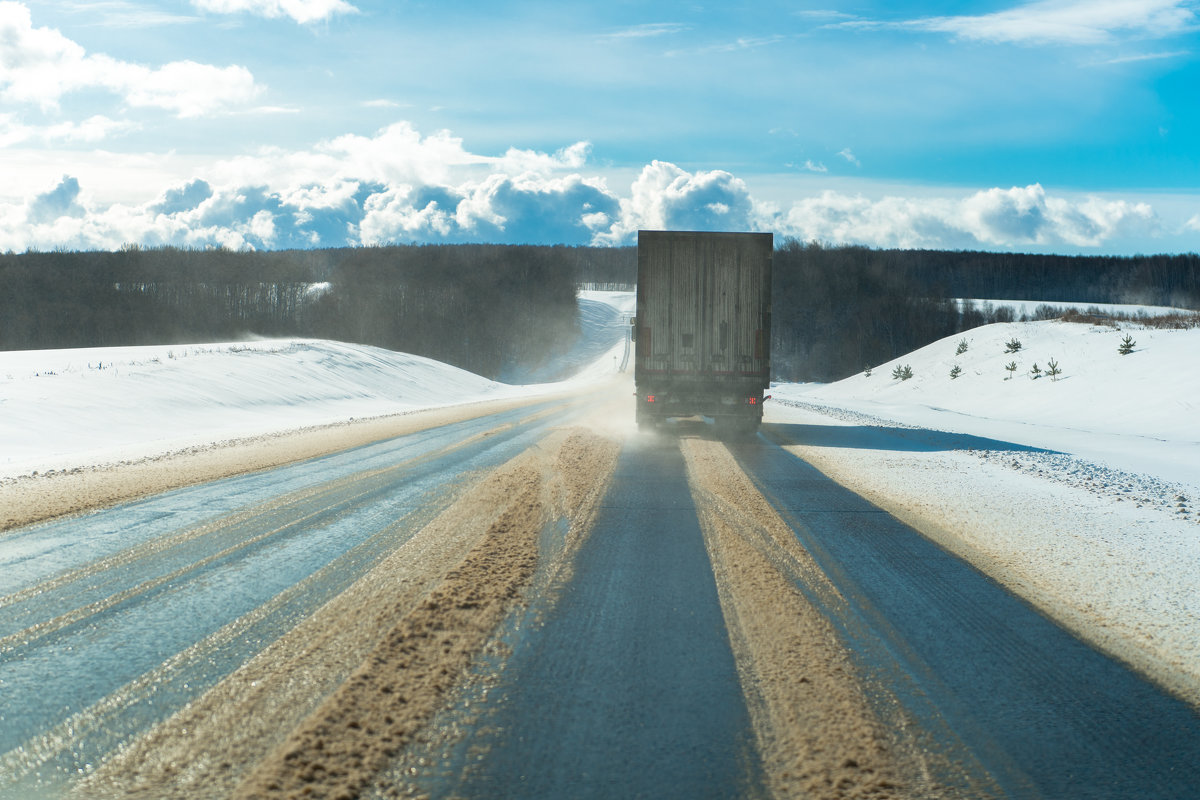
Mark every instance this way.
x=327 y=705
x=117 y=579
x=817 y=723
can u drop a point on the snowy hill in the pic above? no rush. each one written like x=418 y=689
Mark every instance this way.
x=1139 y=412
x=60 y=409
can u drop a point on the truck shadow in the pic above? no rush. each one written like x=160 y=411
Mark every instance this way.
x=882 y=437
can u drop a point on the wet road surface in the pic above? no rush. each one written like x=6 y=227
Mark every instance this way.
x=629 y=687
x=616 y=677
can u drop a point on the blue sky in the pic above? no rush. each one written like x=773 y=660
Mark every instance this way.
x=1052 y=126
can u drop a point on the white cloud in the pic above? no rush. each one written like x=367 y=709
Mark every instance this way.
x=517 y=161
x=849 y=156
x=394 y=186
x=301 y=11
x=38 y=66
x=1148 y=57
x=665 y=197
x=1193 y=224
x=399 y=186
x=187 y=88
x=91 y=130
x=1004 y=218
x=127 y=14
x=1074 y=22
x=813 y=166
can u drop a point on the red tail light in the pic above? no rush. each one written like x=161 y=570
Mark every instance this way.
x=650 y=398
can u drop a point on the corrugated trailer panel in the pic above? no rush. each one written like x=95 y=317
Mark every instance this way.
x=703 y=315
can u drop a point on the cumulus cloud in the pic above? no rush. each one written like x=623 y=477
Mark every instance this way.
x=519 y=161
x=61 y=201
x=301 y=11
x=665 y=197
x=399 y=186
x=38 y=66
x=1015 y=217
x=182 y=198
x=352 y=190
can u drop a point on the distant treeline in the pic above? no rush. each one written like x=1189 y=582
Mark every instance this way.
x=837 y=310
x=488 y=308
x=484 y=308
x=840 y=309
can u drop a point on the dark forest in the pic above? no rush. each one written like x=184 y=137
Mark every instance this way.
x=486 y=308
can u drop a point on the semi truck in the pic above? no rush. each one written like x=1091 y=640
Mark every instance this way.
x=702 y=327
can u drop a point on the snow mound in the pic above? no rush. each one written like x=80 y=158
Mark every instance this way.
x=1138 y=412
x=61 y=409
x=67 y=407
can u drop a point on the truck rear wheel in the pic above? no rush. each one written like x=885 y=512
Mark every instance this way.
x=646 y=421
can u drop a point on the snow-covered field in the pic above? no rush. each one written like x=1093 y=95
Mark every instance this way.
x=60 y=409
x=1081 y=493
x=1138 y=412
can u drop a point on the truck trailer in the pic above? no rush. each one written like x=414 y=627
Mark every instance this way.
x=702 y=330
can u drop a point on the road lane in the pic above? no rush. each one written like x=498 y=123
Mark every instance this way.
x=628 y=688
x=618 y=678
x=1045 y=713
x=192 y=583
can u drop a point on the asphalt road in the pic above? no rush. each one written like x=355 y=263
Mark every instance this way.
x=615 y=670
x=629 y=687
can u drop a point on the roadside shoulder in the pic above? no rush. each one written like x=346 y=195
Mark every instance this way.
x=1117 y=573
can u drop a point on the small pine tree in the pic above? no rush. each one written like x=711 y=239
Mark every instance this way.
x=955 y=371
x=962 y=347
x=1012 y=369
x=1035 y=372
x=902 y=372
x=867 y=371
x=1013 y=346
x=1126 y=346
x=1052 y=370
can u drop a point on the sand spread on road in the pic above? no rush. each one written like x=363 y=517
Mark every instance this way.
x=28 y=499
x=817 y=730
x=324 y=708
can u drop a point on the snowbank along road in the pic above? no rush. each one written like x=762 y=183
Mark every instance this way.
x=540 y=602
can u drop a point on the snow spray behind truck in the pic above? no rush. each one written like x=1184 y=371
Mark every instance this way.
x=703 y=327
